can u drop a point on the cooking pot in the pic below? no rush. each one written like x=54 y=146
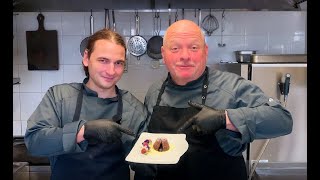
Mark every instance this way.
x=244 y=56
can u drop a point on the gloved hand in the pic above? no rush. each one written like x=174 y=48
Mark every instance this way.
x=103 y=130
x=207 y=121
x=143 y=171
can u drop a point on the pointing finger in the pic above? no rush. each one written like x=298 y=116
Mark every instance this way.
x=186 y=125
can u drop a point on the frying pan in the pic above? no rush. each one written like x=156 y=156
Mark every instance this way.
x=156 y=41
x=84 y=42
x=137 y=45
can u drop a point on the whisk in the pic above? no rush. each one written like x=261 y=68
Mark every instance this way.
x=210 y=23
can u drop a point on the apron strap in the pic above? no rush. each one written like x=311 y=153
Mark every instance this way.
x=205 y=87
x=78 y=105
x=117 y=117
x=162 y=90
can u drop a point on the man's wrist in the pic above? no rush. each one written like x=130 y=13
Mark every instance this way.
x=80 y=133
x=229 y=124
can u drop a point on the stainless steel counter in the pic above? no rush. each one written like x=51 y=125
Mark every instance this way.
x=16 y=166
x=281 y=171
x=20 y=170
x=279 y=58
x=25 y=171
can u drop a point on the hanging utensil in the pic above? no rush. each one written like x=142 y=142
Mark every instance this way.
x=182 y=13
x=210 y=24
x=113 y=21
x=106 y=18
x=199 y=17
x=137 y=45
x=221 y=44
x=84 y=42
x=176 y=16
x=42 y=47
x=155 y=42
x=169 y=10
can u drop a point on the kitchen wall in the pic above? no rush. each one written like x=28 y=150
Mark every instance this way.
x=268 y=32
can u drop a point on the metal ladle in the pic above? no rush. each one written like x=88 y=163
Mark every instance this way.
x=221 y=44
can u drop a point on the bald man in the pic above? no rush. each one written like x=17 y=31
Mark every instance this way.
x=220 y=112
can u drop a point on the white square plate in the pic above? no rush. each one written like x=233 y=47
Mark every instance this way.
x=178 y=146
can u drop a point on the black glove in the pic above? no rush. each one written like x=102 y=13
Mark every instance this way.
x=207 y=121
x=103 y=130
x=143 y=171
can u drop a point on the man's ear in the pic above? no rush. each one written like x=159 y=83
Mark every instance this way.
x=85 y=59
x=162 y=54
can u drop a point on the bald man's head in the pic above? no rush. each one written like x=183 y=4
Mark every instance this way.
x=183 y=26
x=184 y=51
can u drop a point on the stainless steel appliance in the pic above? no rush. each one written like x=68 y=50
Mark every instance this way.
x=283 y=157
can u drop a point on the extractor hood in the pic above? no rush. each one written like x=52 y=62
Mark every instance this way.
x=100 y=5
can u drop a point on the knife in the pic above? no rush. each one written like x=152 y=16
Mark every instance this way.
x=286 y=86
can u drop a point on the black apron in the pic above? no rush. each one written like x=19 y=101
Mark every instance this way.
x=98 y=162
x=204 y=158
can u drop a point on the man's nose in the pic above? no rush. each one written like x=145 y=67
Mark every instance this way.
x=185 y=54
x=110 y=68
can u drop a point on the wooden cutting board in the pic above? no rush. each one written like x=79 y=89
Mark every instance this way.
x=42 y=48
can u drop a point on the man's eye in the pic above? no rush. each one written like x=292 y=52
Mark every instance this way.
x=103 y=60
x=195 y=48
x=174 y=49
x=120 y=63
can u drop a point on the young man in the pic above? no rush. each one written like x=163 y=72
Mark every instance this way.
x=87 y=129
x=220 y=112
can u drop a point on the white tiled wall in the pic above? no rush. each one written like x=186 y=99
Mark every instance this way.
x=268 y=32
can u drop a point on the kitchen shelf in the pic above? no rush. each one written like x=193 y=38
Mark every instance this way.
x=279 y=58
x=97 y=5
